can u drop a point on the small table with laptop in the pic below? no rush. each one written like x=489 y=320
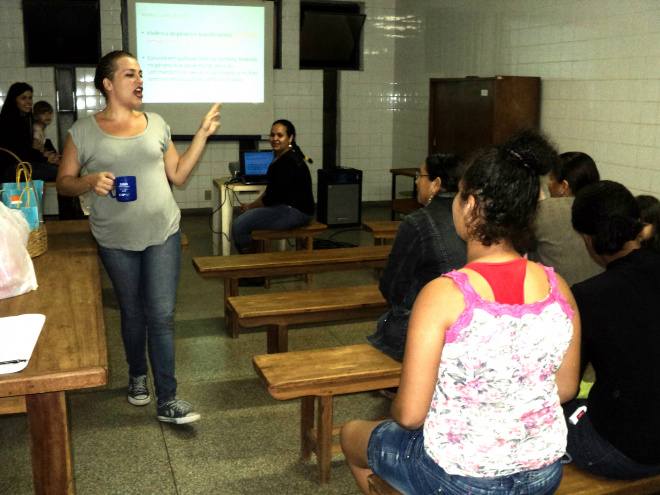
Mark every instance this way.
x=251 y=178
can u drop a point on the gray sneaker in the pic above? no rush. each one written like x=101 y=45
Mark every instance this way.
x=177 y=411
x=138 y=393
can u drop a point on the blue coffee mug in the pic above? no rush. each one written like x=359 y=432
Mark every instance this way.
x=126 y=188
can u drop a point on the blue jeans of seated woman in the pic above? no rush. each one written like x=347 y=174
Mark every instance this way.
x=596 y=455
x=145 y=283
x=391 y=332
x=276 y=217
x=398 y=456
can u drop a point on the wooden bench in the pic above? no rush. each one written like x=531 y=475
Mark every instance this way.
x=574 y=482
x=317 y=376
x=382 y=230
x=184 y=242
x=231 y=268
x=278 y=311
x=304 y=237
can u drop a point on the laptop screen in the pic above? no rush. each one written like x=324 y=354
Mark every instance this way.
x=256 y=162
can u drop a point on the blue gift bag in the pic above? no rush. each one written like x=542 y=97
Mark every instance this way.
x=16 y=189
x=24 y=196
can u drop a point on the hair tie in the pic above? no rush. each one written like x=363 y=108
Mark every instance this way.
x=522 y=161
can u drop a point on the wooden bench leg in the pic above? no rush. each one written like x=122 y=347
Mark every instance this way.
x=310 y=247
x=306 y=426
x=324 y=438
x=277 y=338
x=231 y=322
x=265 y=248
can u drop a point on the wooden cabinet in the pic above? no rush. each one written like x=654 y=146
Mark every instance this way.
x=476 y=112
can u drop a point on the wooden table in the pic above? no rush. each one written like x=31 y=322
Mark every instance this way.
x=226 y=199
x=70 y=353
x=407 y=205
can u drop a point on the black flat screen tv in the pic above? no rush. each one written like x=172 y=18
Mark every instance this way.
x=330 y=40
x=62 y=32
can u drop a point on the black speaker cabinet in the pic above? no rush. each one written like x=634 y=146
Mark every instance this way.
x=339 y=197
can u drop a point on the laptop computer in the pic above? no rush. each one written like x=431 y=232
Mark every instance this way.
x=254 y=165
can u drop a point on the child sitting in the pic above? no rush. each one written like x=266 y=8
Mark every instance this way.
x=43 y=116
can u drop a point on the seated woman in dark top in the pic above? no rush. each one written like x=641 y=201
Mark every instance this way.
x=619 y=434
x=16 y=136
x=426 y=246
x=288 y=200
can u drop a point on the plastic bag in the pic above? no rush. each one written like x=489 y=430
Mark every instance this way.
x=16 y=269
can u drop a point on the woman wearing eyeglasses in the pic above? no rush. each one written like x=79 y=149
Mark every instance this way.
x=425 y=247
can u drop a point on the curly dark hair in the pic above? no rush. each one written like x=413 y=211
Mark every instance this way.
x=107 y=68
x=576 y=168
x=504 y=181
x=649 y=212
x=447 y=166
x=608 y=213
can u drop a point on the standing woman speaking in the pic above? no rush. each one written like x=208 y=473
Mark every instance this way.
x=139 y=242
x=288 y=200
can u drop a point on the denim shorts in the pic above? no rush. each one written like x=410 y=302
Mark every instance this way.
x=398 y=456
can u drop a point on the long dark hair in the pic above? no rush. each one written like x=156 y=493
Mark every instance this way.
x=649 y=212
x=504 y=181
x=576 y=168
x=107 y=68
x=291 y=131
x=447 y=166
x=9 y=108
x=608 y=213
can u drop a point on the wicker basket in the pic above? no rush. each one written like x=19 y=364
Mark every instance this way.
x=38 y=240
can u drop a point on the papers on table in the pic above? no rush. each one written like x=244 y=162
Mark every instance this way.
x=18 y=336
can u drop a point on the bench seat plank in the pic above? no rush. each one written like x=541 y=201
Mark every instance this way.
x=327 y=372
x=303 y=235
x=289 y=308
x=313 y=229
x=233 y=268
x=291 y=262
x=302 y=306
x=382 y=230
x=578 y=482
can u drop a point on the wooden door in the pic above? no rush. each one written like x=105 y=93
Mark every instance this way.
x=461 y=115
x=472 y=113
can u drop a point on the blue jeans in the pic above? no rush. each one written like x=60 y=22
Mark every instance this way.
x=398 y=456
x=276 y=217
x=391 y=332
x=145 y=283
x=596 y=455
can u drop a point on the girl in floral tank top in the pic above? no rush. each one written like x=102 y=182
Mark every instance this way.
x=492 y=351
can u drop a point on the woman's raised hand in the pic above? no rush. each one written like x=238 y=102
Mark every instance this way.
x=211 y=121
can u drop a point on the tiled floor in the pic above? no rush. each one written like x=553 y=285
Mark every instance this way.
x=246 y=442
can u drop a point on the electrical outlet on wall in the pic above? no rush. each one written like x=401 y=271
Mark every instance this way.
x=207 y=195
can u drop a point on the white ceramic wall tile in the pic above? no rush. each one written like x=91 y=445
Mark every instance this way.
x=599 y=61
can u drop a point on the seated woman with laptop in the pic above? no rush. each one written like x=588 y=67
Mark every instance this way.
x=288 y=200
